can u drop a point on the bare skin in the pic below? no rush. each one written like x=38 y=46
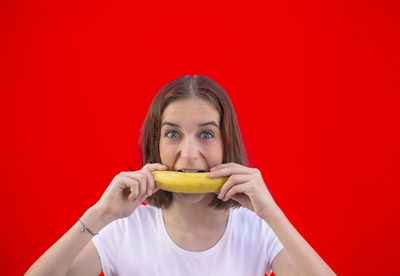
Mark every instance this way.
x=190 y=139
x=190 y=228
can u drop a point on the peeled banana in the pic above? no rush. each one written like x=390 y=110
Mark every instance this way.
x=187 y=182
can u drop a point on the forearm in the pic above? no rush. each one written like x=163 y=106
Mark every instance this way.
x=58 y=258
x=307 y=261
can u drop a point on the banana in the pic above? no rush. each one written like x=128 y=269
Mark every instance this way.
x=186 y=182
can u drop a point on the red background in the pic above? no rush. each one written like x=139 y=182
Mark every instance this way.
x=315 y=85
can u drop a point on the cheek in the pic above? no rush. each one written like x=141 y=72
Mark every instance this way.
x=166 y=153
x=214 y=154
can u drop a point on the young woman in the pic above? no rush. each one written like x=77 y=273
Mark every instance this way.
x=191 y=126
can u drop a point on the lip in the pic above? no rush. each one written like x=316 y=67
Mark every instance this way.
x=189 y=169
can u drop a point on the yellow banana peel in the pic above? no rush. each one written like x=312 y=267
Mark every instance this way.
x=187 y=182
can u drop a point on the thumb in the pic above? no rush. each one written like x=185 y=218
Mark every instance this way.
x=156 y=166
x=243 y=199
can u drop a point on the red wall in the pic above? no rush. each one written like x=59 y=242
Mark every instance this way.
x=315 y=86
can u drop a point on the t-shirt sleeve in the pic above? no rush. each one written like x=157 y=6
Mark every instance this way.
x=274 y=246
x=108 y=243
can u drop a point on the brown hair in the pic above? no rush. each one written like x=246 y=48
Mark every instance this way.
x=186 y=87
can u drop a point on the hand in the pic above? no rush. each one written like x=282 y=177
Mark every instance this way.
x=127 y=191
x=244 y=185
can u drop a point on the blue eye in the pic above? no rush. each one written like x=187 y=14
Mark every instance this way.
x=206 y=135
x=171 y=134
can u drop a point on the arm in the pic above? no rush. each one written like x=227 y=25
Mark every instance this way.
x=246 y=185
x=58 y=259
x=297 y=257
x=74 y=253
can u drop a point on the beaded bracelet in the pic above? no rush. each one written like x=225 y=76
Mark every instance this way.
x=84 y=227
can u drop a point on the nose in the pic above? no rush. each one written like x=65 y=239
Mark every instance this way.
x=190 y=149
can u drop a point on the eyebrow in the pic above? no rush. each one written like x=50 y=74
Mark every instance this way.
x=199 y=125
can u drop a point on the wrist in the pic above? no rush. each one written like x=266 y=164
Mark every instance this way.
x=95 y=219
x=271 y=213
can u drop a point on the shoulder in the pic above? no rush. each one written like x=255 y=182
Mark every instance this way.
x=245 y=221
x=129 y=234
x=141 y=217
x=242 y=216
x=144 y=211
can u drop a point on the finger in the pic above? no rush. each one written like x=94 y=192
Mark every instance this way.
x=142 y=177
x=232 y=181
x=134 y=189
x=150 y=166
x=243 y=199
x=237 y=189
x=150 y=182
x=125 y=181
x=138 y=179
x=147 y=169
x=142 y=198
x=227 y=171
x=224 y=165
x=131 y=184
x=155 y=166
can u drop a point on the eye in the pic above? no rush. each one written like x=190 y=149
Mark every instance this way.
x=172 y=134
x=206 y=135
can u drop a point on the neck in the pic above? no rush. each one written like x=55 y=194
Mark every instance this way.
x=194 y=216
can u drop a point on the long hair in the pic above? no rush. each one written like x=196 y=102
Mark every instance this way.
x=186 y=87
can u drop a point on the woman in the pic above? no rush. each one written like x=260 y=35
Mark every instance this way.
x=191 y=126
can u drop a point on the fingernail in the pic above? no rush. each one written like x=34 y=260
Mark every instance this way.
x=210 y=174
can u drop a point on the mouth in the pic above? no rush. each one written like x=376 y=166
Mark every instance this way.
x=191 y=171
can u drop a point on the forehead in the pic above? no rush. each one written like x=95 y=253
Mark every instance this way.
x=193 y=109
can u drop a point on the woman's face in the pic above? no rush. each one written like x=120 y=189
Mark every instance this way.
x=190 y=136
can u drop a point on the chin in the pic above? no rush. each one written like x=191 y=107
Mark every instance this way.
x=192 y=198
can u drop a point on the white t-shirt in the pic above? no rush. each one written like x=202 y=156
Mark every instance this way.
x=140 y=245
